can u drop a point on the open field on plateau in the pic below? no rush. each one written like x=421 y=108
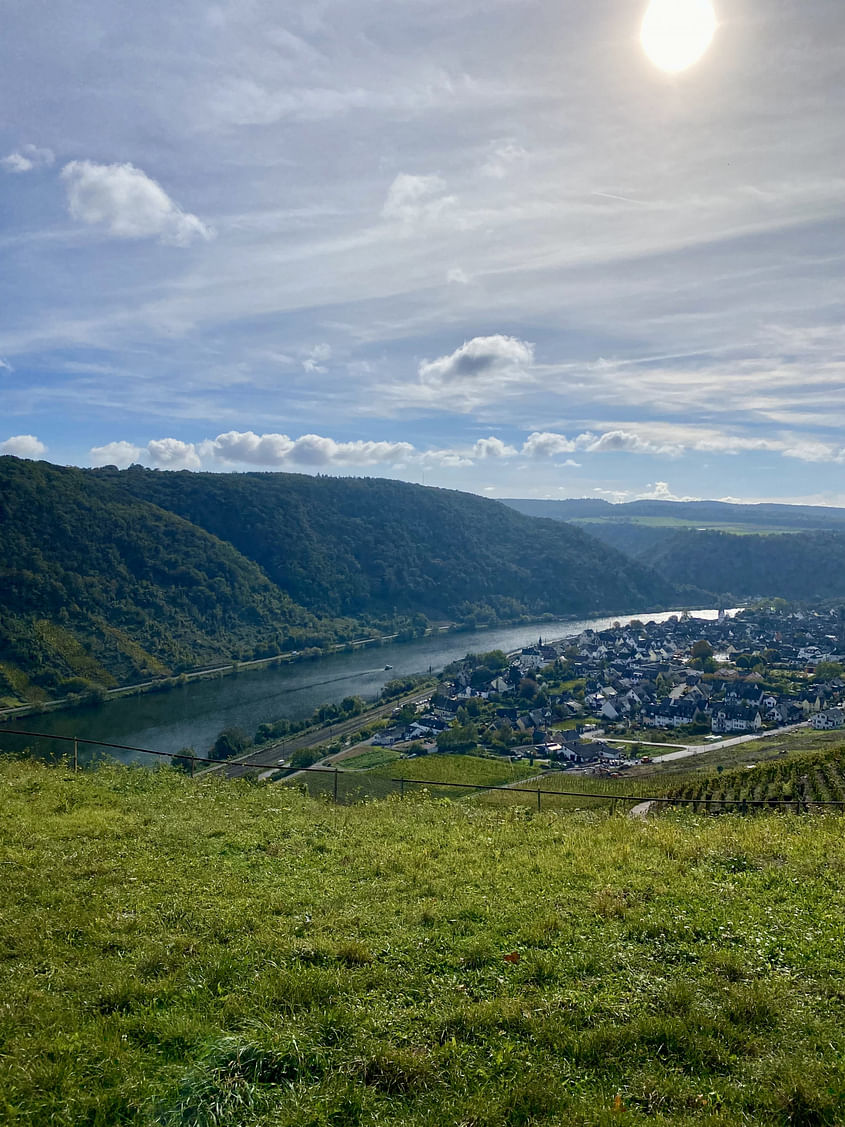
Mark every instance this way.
x=215 y=953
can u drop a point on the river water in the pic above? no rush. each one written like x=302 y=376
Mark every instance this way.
x=193 y=715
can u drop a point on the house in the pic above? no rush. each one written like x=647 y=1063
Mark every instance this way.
x=832 y=718
x=735 y=718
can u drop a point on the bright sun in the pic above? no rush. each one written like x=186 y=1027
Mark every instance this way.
x=676 y=33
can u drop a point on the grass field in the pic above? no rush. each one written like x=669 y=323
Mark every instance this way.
x=585 y=785
x=369 y=758
x=475 y=769
x=216 y=954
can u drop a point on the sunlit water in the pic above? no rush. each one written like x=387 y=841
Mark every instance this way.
x=193 y=714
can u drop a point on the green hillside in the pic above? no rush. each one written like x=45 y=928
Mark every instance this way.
x=109 y=577
x=101 y=588
x=808 y=566
x=207 y=954
x=366 y=545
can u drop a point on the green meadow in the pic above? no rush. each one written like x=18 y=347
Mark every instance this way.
x=215 y=954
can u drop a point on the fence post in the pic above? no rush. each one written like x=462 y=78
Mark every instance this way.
x=335 y=784
x=193 y=761
x=538 y=800
x=402 y=787
x=75 y=754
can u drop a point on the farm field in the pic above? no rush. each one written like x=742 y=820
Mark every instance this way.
x=377 y=782
x=180 y=953
x=737 y=528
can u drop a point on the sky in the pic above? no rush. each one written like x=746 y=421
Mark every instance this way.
x=488 y=247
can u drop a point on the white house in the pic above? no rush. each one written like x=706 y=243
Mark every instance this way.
x=833 y=718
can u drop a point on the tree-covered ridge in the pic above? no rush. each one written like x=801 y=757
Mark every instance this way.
x=109 y=577
x=355 y=546
x=808 y=566
x=105 y=588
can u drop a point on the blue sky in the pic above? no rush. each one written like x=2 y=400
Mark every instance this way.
x=485 y=246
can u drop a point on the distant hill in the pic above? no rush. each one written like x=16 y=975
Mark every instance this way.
x=725 y=549
x=693 y=513
x=108 y=576
x=808 y=566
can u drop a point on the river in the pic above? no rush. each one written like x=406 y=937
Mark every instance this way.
x=193 y=715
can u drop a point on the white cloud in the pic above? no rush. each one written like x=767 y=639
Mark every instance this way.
x=172 y=454
x=479 y=358
x=547 y=444
x=23 y=446
x=120 y=454
x=660 y=491
x=317 y=357
x=128 y=204
x=27 y=158
x=492 y=448
x=412 y=200
x=808 y=450
x=5 y=366
x=457 y=277
x=621 y=441
x=309 y=450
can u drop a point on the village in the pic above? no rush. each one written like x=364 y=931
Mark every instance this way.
x=686 y=680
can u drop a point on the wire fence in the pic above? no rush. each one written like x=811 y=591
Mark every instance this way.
x=345 y=786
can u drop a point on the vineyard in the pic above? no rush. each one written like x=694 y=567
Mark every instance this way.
x=804 y=782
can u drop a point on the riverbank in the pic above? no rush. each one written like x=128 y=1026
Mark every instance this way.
x=194 y=712
x=98 y=696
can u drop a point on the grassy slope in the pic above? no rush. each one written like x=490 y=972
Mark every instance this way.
x=224 y=954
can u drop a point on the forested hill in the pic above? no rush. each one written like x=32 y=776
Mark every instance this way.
x=352 y=546
x=97 y=587
x=108 y=576
x=802 y=566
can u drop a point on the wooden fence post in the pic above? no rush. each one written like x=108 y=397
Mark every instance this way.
x=402 y=787
x=335 y=784
x=75 y=754
x=538 y=800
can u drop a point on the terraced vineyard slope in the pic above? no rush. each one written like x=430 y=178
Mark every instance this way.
x=806 y=781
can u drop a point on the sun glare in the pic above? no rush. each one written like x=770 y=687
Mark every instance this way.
x=676 y=33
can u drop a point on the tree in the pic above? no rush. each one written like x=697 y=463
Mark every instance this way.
x=828 y=671
x=701 y=649
x=230 y=742
x=459 y=739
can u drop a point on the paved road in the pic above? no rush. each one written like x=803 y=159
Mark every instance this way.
x=701 y=749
